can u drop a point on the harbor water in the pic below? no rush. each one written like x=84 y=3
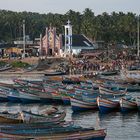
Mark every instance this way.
x=119 y=126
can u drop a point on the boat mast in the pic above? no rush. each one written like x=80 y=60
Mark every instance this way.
x=138 y=36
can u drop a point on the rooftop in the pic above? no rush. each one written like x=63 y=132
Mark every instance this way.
x=79 y=41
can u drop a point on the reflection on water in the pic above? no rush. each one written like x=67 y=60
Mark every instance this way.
x=17 y=107
x=85 y=119
x=119 y=126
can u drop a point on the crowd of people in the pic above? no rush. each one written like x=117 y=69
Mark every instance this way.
x=85 y=66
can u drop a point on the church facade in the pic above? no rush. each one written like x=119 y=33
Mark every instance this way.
x=50 y=43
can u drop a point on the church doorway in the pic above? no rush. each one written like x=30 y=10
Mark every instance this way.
x=50 y=52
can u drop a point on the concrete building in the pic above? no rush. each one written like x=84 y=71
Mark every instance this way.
x=52 y=44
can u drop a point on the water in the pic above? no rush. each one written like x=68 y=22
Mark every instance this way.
x=119 y=126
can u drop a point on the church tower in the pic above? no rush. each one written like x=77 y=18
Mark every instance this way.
x=68 y=38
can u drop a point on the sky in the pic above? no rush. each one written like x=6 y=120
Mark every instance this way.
x=63 y=6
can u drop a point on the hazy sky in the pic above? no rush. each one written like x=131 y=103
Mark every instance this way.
x=62 y=6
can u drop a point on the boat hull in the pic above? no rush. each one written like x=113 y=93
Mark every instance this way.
x=32 y=118
x=79 y=105
x=9 y=121
x=126 y=105
x=66 y=100
x=12 y=98
x=3 y=99
x=70 y=135
x=28 y=98
x=106 y=105
x=54 y=73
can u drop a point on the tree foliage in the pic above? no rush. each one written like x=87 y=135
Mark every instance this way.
x=114 y=27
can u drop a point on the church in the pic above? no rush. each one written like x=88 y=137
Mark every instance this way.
x=52 y=44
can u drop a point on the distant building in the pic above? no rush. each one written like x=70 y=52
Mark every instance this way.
x=7 y=49
x=52 y=44
x=79 y=43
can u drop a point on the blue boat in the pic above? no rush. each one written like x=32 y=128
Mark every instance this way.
x=80 y=105
x=106 y=105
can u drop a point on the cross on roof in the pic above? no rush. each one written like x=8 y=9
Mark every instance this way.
x=68 y=22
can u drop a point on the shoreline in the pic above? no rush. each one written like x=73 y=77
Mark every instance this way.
x=7 y=77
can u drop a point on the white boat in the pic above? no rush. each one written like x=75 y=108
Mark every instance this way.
x=127 y=105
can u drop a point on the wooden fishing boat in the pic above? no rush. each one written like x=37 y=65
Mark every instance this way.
x=79 y=135
x=70 y=81
x=26 y=83
x=37 y=84
x=84 y=90
x=106 y=91
x=6 y=85
x=89 y=84
x=115 y=85
x=80 y=105
x=129 y=87
x=53 y=91
x=66 y=100
x=44 y=96
x=55 y=73
x=127 y=105
x=13 y=96
x=31 y=68
x=20 y=82
x=83 y=134
x=34 y=90
x=56 y=97
x=36 y=126
x=27 y=97
x=3 y=95
x=6 y=117
x=109 y=73
x=65 y=96
x=29 y=117
x=5 y=67
x=106 y=105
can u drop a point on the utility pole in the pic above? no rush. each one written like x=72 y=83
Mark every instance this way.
x=24 y=39
x=40 y=44
x=138 y=37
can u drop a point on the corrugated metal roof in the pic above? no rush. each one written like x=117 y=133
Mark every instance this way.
x=79 y=41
